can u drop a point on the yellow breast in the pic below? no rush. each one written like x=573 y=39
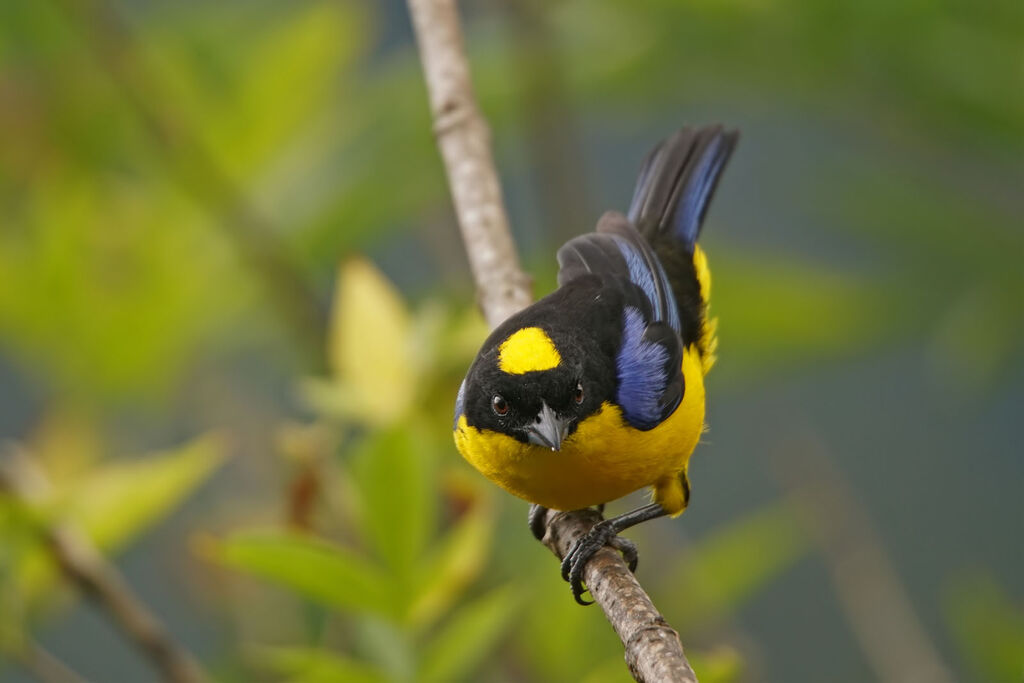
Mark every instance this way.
x=603 y=460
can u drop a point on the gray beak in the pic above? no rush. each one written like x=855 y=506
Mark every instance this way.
x=548 y=429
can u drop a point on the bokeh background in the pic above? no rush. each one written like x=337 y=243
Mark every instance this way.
x=234 y=311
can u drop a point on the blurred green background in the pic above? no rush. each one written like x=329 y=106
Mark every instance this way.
x=234 y=311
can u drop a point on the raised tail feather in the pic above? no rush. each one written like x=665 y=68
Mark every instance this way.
x=677 y=180
x=675 y=186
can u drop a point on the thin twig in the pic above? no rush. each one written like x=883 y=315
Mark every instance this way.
x=653 y=651
x=42 y=665
x=89 y=571
x=464 y=141
x=872 y=597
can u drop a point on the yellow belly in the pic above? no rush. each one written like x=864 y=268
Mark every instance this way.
x=603 y=460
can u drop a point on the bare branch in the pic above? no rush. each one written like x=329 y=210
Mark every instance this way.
x=90 y=572
x=39 y=662
x=464 y=141
x=871 y=594
x=653 y=651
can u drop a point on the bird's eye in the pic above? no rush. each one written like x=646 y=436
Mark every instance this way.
x=499 y=405
x=578 y=394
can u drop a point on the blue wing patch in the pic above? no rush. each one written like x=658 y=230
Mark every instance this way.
x=650 y=277
x=648 y=366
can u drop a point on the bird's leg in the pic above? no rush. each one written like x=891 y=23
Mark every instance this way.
x=536 y=517
x=602 y=534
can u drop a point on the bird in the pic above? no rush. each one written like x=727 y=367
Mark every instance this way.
x=597 y=390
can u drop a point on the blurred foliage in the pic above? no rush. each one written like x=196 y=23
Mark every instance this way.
x=179 y=181
x=988 y=627
x=135 y=206
x=712 y=581
x=111 y=502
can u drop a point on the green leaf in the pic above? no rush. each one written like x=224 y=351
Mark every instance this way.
x=468 y=637
x=116 y=502
x=721 y=665
x=988 y=626
x=17 y=535
x=316 y=569
x=611 y=670
x=252 y=100
x=134 y=324
x=301 y=57
x=389 y=646
x=778 y=312
x=717 y=575
x=456 y=561
x=313 y=665
x=554 y=625
x=369 y=346
x=394 y=473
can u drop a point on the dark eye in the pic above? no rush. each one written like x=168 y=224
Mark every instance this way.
x=578 y=394
x=499 y=405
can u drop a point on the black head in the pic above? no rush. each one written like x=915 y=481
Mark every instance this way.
x=534 y=384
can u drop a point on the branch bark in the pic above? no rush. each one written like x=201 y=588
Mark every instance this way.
x=464 y=141
x=42 y=665
x=652 y=648
x=870 y=592
x=89 y=571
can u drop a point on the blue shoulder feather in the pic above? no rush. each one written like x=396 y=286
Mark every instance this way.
x=648 y=367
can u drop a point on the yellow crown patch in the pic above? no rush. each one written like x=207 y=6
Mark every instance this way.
x=528 y=350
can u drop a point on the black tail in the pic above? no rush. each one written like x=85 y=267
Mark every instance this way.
x=677 y=181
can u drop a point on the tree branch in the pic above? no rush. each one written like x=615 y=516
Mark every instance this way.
x=89 y=571
x=40 y=663
x=464 y=141
x=653 y=651
x=874 y=600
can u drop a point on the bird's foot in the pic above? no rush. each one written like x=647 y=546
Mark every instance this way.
x=537 y=517
x=602 y=534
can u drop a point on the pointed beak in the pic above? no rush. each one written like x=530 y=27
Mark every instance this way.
x=548 y=429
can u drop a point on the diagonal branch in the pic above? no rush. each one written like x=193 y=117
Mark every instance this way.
x=653 y=650
x=85 y=567
x=40 y=663
x=874 y=601
x=464 y=141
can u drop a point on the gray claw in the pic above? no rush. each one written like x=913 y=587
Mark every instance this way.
x=537 y=517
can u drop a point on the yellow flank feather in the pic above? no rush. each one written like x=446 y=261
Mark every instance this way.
x=604 y=459
x=708 y=342
x=528 y=350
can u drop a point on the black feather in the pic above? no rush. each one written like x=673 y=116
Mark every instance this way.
x=677 y=180
x=616 y=251
x=673 y=191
